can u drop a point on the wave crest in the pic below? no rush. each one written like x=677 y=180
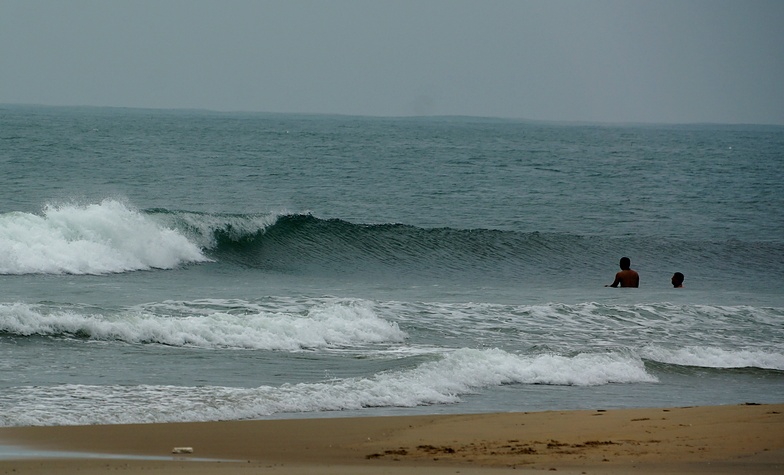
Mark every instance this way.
x=200 y=324
x=107 y=237
x=441 y=381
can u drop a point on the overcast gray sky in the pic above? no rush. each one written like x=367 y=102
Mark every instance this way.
x=599 y=60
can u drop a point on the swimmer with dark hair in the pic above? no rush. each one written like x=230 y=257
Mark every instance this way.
x=627 y=277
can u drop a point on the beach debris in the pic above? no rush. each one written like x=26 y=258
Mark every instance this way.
x=182 y=450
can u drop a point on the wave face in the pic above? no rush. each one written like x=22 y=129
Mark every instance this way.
x=304 y=243
x=113 y=237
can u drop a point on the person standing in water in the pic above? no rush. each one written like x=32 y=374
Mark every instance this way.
x=627 y=277
x=677 y=280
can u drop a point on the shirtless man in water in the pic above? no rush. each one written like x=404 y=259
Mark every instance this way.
x=626 y=277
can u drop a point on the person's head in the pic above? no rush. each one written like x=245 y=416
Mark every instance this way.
x=677 y=279
x=626 y=263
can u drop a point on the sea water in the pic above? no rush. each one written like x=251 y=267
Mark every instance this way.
x=190 y=265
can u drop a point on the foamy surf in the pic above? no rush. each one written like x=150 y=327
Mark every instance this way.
x=443 y=380
x=712 y=357
x=103 y=238
x=328 y=325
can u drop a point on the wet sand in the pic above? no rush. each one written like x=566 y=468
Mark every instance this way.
x=690 y=440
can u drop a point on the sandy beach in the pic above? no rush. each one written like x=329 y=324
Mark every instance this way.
x=746 y=438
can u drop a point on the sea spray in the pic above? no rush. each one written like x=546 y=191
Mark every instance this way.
x=108 y=237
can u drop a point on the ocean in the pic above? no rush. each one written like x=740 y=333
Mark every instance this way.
x=161 y=266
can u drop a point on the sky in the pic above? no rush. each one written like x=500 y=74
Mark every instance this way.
x=617 y=61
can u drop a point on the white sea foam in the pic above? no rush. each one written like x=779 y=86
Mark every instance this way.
x=201 y=228
x=441 y=381
x=102 y=238
x=331 y=324
x=575 y=326
x=711 y=357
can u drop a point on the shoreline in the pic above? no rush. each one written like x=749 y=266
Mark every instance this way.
x=702 y=439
